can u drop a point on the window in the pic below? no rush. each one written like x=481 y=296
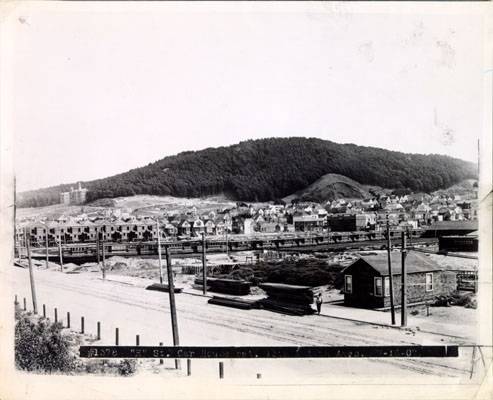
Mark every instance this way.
x=378 y=290
x=386 y=286
x=348 y=283
x=429 y=281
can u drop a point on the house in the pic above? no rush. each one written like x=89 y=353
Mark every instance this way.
x=269 y=227
x=248 y=226
x=209 y=227
x=350 y=222
x=367 y=283
x=170 y=229
x=307 y=223
x=197 y=227
x=220 y=227
x=421 y=212
x=184 y=228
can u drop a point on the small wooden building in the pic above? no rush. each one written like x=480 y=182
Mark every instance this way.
x=367 y=283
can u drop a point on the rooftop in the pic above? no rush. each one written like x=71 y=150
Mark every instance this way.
x=453 y=225
x=415 y=262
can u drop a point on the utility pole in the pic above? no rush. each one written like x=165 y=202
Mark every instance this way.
x=204 y=266
x=389 y=249
x=98 y=245
x=227 y=242
x=159 y=253
x=31 y=274
x=172 y=304
x=103 y=266
x=60 y=254
x=404 y=282
x=46 y=240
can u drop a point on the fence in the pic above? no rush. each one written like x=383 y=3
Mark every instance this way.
x=467 y=280
x=82 y=330
x=211 y=269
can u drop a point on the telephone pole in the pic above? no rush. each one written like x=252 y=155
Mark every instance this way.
x=103 y=267
x=46 y=240
x=204 y=265
x=172 y=304
x=159 y=253
x=61 y=254
x=31 y=274
x=98 y=245
x=391 y=286
x=227 y=242
x=403 y=282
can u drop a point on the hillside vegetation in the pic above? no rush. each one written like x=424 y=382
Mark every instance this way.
x=270 y=169
x=330 y=187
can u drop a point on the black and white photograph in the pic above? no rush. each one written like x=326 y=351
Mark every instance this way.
x=246 y=200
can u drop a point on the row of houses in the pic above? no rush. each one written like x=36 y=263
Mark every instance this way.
x=70 y=230
x=335 y=216
x=118 y=230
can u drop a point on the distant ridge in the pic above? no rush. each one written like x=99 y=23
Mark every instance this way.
x=270 y=169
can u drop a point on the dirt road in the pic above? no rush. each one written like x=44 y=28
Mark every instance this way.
x=137 y=311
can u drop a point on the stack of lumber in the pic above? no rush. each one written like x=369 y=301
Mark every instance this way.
x=232 y=302
x=163 y=288
x=287 y=299
x=226 y=286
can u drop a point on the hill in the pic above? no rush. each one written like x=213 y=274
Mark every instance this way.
x=139 y=205
x=269 y=169
x=464 y=187
x=330 y=187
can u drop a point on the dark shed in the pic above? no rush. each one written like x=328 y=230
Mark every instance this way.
x=461 y=243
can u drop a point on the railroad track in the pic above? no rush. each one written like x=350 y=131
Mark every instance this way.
x=87 y=252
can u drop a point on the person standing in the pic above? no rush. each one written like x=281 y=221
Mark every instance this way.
x=318 y=301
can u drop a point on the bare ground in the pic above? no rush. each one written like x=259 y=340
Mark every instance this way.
x=137 y=311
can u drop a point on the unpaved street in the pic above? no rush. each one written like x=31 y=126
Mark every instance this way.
x=137 y=311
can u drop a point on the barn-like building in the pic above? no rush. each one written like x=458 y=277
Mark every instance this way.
x=367 y=283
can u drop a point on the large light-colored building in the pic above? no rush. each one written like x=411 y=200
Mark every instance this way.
x=65 y=198
x=77 y=196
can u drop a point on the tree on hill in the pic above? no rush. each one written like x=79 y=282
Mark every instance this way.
x=266 y=169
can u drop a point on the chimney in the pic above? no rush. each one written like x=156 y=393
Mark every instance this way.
x=80 y=187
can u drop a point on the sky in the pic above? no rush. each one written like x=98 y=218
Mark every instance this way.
x=100 y=92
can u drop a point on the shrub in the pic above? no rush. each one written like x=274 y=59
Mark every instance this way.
x=124 y=367
x=467 y=300
x=40 y=346
x=127 y=367
x=309 y=272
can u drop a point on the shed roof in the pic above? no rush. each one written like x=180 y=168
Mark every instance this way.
x=415 y=263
